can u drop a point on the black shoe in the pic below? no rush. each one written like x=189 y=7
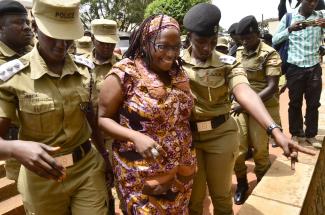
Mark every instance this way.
x=240 y=194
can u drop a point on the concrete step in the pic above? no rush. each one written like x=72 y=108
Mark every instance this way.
x=12 y=206
x=8 y=188
x=2 y=169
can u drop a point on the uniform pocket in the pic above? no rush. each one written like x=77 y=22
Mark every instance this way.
x=37 y=115
x=211 y=77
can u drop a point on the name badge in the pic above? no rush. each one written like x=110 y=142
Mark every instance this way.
x=65 y=160
x=204 y=126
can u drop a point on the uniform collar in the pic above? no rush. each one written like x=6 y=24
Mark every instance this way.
x=39 y=67
x=111 y=61
x=212 y=61
x=254 y=52
x=6 y=51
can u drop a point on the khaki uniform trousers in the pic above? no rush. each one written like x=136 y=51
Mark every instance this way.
x=253 y=135
x=82 y=192
x=216 y=153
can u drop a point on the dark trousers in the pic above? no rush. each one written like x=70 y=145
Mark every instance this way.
x=304 y=82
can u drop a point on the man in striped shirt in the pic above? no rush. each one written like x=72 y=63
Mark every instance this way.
x=304 y=72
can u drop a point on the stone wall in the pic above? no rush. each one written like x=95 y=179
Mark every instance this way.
x=314 y=203
x=284 y=191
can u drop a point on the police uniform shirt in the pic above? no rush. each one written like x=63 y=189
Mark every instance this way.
x=102 y=68
x=7 y=54
x=211 y=82
x=264 y=61
x=48 y=104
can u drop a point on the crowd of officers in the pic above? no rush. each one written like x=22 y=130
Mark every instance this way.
x=52 y=104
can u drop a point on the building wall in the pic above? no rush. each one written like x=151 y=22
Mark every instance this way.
x=273 y=26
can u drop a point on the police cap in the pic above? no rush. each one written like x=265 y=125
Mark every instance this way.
x=8 y=7
x=232 y=28
x=203 y=19
x=247 y=25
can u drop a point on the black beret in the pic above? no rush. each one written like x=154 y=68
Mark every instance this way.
x=203 y=19
x=247 y=25
x=232 y=28
x=11 y=7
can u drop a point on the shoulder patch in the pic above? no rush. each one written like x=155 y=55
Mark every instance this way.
x=226 y=59
x=9 y=69
x=84 y=61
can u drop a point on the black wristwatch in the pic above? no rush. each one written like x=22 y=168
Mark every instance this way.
x=271 y=127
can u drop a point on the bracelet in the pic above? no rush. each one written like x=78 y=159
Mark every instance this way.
x=272 y=126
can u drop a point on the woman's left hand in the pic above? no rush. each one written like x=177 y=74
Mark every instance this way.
x=290 y=148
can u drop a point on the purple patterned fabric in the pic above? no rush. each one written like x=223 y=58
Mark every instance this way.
x=163 y=114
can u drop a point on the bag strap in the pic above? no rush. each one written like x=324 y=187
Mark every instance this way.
x=288 y=19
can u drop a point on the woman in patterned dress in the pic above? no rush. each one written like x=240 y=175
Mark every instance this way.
x=145 y=104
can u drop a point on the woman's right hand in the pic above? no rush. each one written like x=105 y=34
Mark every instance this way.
x=146 y=146
x=36 y=157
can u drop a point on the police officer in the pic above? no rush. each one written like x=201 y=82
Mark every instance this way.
x=15 y=31
x=48 y=87
x=263 y=67
x=212 y=77
x=15 y=39
x=222 y=45
x=83 y=45
x=235 y=39
x=104 y=38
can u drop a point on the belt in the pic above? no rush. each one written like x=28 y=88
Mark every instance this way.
x=76 y=155
x=81 y=151
x=215 y=122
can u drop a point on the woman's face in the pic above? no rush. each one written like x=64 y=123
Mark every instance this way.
x=165 y=50
x=202 y=46
x=51 y=49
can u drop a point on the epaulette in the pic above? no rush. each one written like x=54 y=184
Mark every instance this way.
x=226 y=59
x=84 y=61
x=9 y=69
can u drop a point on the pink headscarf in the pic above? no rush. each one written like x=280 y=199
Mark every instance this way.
x=159 y=23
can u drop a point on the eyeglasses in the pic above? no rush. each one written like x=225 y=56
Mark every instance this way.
x=165 y=48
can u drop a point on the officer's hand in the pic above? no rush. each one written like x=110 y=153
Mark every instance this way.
x=147 y=147
x=283 y=88
x=36 y=157
x=236 y=110
x=320 y=23
x=289 y=147
x=297 y=26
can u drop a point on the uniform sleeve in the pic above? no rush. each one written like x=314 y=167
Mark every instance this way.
x=237 y=75
x=273 y=65
x=8 y=101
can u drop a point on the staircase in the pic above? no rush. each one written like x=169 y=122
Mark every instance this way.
x=10 y=200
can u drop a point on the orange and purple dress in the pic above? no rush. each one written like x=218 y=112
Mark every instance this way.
x=163 y=114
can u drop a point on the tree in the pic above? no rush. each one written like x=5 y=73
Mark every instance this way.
x=124 y=12
x=174 y=8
